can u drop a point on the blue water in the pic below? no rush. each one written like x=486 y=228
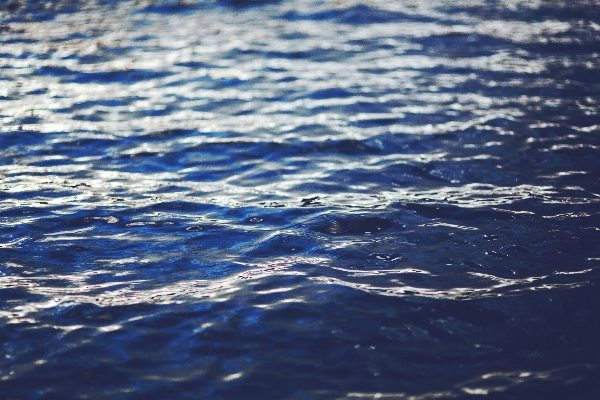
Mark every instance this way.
x=299 y=199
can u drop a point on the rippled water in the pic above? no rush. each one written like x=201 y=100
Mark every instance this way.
x=299 y=199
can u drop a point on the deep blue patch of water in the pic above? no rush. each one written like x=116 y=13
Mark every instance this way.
x=299 y=200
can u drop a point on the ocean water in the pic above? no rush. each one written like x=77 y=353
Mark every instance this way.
x=299 y=199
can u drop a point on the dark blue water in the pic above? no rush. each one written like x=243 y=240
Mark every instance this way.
x=299 y=199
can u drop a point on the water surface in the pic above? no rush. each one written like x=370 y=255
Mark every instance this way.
x=299 y=199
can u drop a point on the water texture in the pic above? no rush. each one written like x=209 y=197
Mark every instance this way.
x=299 y=199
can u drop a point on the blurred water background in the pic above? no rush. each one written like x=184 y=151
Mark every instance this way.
x=299 y=199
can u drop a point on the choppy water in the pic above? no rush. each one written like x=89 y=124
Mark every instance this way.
x=299 y=199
